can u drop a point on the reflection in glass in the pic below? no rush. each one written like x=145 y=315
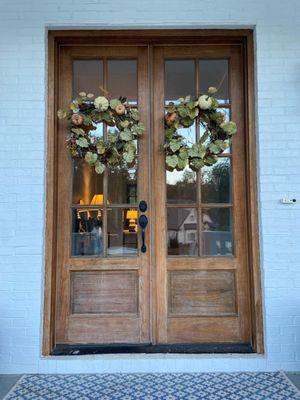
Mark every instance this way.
x=215 y=73
x=179 y=79
x=216 y=182
x=122 y=239
x=182 y=231
x=181 y=186
x=122 y=78
x=87 y=76
x=87 y=232
x=122 y=185
x=217 y=235
x=188 y=133
x=86 y=184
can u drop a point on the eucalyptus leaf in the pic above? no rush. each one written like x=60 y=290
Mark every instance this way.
x=90 y=157
x=100 y=147
x=114 y=103
x=175 y=145
x=82 y=142
x=99 y=167
x=172 y=161
x=126 y=135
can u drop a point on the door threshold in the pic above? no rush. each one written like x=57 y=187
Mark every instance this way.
x=148 y=348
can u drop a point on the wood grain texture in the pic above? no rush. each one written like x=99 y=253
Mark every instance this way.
x=201 y=293
x=104 y=292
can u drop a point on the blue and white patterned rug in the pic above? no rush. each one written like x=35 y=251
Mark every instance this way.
x=210 y=386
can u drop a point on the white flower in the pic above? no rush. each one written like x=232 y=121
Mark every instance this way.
x=205 y=102
x=82 y=94
x=101 y=103
x=212 y=90
x=90 y=95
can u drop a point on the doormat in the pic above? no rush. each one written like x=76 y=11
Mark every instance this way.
x=211 y=386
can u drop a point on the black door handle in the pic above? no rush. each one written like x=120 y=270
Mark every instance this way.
x=143 y=222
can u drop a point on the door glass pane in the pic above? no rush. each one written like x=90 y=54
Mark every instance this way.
x=215 y=73
x=122 y=238
x=122 y=185
x=87 y=184
x=217 y=235
x=87 y=76
x=181 y=186
x=122 y=79
x=216 y=182
x=182 y=231
x=188 y=133
x=179 y=79
x=87 y=232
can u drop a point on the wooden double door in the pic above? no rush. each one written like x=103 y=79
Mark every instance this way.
x=191 y=287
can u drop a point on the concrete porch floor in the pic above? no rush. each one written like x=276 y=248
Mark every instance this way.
x=7 y=382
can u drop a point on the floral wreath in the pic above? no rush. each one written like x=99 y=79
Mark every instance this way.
x=119 y=148
x=216 y=138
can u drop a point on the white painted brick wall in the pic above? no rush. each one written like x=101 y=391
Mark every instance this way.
x=22 y=158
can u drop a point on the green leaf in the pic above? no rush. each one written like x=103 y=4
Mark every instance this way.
x=82 y=142
x=128 y=156
x=204 y=137
x=126 y=135
x=112 y=137
x=182 y=111
x=90 y=157
x=182 y=163
x=134 y=114
x=214 y=148
x=130 y=147
x=99 y=167
x=138 y=129
x=175 y=145
x=87 y=120
x=194 y=151
x=61 y=114
x=114 y=103
x=124 y=124
x=197 y=163
x=172 y=161
x=229 y=127
x=78 y=131
x=101 y=147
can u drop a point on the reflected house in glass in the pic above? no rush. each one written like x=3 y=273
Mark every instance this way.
x=182 y=231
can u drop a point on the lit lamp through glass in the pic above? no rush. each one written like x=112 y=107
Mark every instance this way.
x=97 y=199
x=132 y=215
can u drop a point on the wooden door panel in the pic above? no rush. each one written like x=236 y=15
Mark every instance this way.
x=101 y=298
x=203 y=297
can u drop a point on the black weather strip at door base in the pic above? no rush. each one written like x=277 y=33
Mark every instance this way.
x=181 y=348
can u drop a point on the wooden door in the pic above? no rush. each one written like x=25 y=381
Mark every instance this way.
x=102 y=278
x=196 y=289
x=200 y=219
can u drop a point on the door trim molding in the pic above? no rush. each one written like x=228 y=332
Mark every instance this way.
x=58 y=38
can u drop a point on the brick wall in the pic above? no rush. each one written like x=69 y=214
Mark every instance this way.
x=22 y=159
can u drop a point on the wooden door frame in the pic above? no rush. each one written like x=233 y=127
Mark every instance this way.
x=242 y=37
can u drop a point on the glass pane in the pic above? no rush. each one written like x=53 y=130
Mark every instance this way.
x=122 y=185
x=215 y=73
x=122 y=79
x=122 y=238
x=188 y=133
x=181 y=186
x=179 y=79
x=182 y=231
x=87 y=232
x=87 y=184
x=216 y=182
x=217 y=235
x=87 y=76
